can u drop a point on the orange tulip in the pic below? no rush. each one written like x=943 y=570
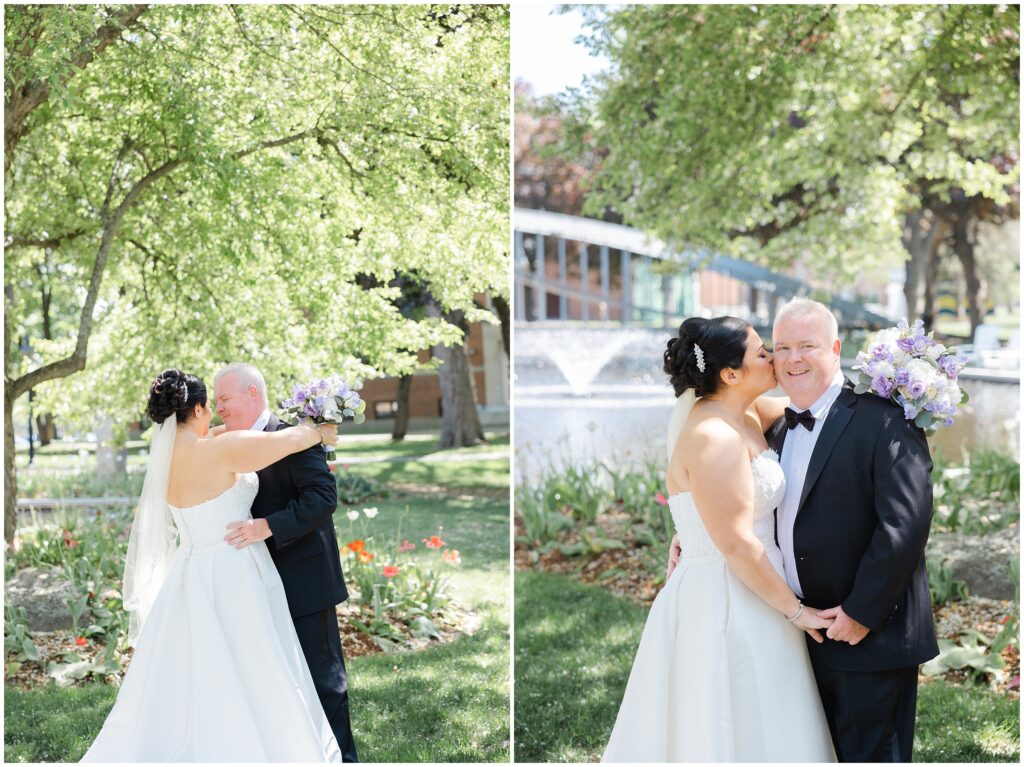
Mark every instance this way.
x=390 y=571
x=356 y=545
x=365 y=556
x=434 y=542
x=451 y=557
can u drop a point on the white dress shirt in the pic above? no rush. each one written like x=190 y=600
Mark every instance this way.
x=796 y=455
x=261 y=422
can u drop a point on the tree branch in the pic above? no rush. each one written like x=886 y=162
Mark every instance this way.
x=20 y=103
x=239 y=154
x=111 y=223
x=13 y=242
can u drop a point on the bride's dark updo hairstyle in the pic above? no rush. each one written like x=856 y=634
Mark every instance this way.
x=175 y=392
x=723 y=340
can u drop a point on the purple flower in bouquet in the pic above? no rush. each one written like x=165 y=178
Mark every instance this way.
x=882 y=353
x=909 y=367
x=326 y=400
x=951 y=366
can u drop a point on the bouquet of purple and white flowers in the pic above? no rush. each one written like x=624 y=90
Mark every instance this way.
x=326 y=400
x=916 y=372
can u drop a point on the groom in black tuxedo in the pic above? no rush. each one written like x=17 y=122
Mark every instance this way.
x=293 y=512
x=852 y=529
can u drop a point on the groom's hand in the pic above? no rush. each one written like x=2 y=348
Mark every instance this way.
x=674 y=550
x=242 y=534
x=844 y=628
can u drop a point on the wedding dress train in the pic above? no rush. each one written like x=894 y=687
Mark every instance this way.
x=719 y=675
x=218 y=674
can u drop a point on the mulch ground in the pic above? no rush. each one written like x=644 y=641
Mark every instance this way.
x=55 y=645
x=628 y=573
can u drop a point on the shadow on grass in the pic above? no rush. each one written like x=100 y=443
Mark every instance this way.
x=445 y=704
x=574 y=649
x=53 y=724
x=491 y=474
x=448 y=704
x=959 y=723
x=575 y=645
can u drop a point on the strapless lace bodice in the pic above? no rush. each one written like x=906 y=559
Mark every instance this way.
x=202 y=527
x=769 y=487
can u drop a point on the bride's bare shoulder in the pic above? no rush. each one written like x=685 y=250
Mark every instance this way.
x=706 y=428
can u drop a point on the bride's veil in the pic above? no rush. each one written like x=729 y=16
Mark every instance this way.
x=680 y=412
x=153 y=537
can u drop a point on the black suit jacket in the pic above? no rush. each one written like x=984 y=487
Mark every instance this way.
x=861 y=528
x=298 y=498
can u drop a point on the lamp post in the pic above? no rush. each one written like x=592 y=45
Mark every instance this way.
x=25 y=348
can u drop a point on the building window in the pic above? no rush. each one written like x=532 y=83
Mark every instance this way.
x=385 y=409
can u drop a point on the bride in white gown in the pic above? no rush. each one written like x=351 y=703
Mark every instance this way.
x=722 y=672
x=218 y=674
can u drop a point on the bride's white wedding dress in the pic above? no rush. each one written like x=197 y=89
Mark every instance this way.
x=719 y=675
x=218 y=674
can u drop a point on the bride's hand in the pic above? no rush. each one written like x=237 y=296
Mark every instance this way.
x=810 y=622
x=329 y=432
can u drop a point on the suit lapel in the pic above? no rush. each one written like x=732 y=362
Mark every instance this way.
x=272 y=423
x=835 y=422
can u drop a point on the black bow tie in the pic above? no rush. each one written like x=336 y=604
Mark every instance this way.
x=805 y=417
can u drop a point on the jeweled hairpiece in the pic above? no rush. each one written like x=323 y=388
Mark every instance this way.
x=700 y=357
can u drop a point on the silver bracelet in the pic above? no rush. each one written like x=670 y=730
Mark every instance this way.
x=317 y=427
x=798 y=612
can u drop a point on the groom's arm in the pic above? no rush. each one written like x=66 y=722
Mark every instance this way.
x=903 y=506
x=316 y=500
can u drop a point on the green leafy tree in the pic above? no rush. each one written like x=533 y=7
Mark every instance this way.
x=206 y=182
x=837 y=135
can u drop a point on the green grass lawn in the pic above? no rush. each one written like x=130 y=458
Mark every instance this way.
x=448 y=703
x=571 y=668
x=413 y=445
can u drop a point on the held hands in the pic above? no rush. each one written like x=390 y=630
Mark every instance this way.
x=843 y=628
x=810 y=620
x=674 y=551
x=242 y=534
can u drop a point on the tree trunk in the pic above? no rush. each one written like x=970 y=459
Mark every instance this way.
x=963 y=247
x=501 y=308
x=10 y=478
x=940 y=229
x=460 y=422
x=915 y=240
x=47 y=427
x=402 y=413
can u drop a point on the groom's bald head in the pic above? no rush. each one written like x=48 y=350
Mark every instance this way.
x=241 y=395
x=806 y=347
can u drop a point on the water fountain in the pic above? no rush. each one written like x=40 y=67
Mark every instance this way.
x=600 y=393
